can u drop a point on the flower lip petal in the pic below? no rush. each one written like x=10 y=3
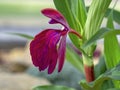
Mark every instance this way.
x=56 y=17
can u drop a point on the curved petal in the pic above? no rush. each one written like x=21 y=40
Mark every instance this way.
x=53 y=54
x=39 y=42
x=61 y=52
x=43 y=49
x=56 y=17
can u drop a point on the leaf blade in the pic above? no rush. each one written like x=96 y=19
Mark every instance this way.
x=22 y=35
x=97 y=84
x=52 y=87
x=103 y=32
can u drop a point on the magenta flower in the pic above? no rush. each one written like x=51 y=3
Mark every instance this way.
x=43 y=48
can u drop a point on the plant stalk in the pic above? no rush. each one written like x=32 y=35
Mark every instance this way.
x=88 y=68
x=89 y=73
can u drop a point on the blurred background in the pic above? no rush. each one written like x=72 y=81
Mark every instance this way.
x=16 y=69
x=21 y=16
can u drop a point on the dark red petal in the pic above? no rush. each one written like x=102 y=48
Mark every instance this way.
x=61 y=52
x=53 y=61
x=33 y=53
x=54 y=54
x=56 y=17
x=43 y=49
x=35 y=45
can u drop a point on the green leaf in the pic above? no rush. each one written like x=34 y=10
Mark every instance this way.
x=111 y=48
x=103 y=32
x=107 y=84
x=95 y=17
x=116 y=15
x=75 y=14
x=111 y=53
x=100 y=68
x=74 y=58
x=81 y=13
x=113 y=74
x=95 y=37
x=22 y=35
x=52 y=87
x=110 y=20
x=114 y=89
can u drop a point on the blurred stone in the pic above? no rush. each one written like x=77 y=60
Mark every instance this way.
x=15 y=60
x=15 y=67
x=20 y=81
x=13 y=55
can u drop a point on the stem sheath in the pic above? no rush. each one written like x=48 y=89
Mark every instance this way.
x=88 y=68
x=89 y=73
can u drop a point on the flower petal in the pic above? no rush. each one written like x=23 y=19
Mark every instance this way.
x=56 y=17
x=61 y=52
x=36 y=44
x=43 y=49
x=53 y=60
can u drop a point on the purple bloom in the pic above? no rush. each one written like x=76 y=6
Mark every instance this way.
x=43 y=48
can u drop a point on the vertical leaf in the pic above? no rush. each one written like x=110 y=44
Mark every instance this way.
x=95 y=16
x=111 y=47
x=52 y=87
x=111 y=50
x=80 y=12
